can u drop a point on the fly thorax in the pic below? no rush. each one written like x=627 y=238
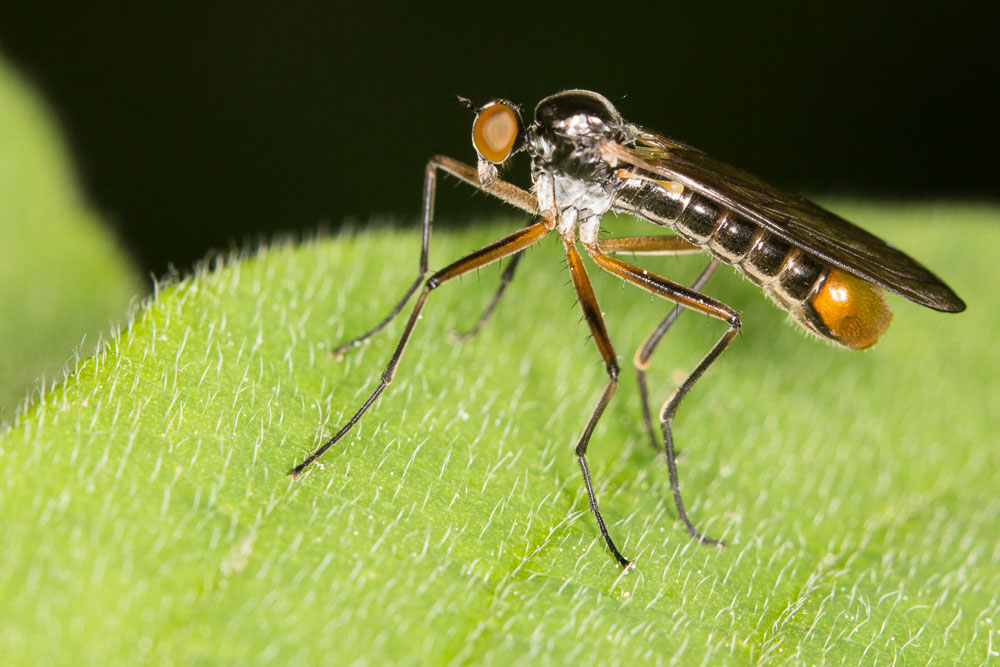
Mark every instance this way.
x=566 y=179
x=568 y=164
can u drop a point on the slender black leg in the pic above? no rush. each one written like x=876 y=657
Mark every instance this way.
x=592 y=313
x=655 y=245
x=501 y=189
x=637 y=245
x=508 y=275
x=645 y=352
x=688 y=298
x=504 y=247
x=667 y=413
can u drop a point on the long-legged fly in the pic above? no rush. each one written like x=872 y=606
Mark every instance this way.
x=587 y=160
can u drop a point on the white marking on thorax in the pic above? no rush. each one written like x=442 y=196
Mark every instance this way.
x=574 y=200
x=587 y=197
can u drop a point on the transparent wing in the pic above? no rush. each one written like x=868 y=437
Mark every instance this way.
x=794 y=218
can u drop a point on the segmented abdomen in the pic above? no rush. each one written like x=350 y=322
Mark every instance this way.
x=788 y=275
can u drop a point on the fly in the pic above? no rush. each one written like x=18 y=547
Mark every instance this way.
x=587 y=160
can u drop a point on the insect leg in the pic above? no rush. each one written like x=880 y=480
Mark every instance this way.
x=508 y=275
x=592 y=312
x=655 y=245
x=501 y=189
x=645 y=353
x=506 y=246
x=636 y=245
x=648 y=245
x=694 y=300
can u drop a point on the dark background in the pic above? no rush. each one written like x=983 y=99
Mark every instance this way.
x=194 y=127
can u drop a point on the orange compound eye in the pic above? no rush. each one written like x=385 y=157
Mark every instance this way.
x=495 y=132
x=853 y=310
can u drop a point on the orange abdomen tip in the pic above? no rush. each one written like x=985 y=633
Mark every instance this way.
x=853 y=310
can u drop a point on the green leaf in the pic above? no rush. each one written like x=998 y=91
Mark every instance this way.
x=62 y=276
x=146 y=515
